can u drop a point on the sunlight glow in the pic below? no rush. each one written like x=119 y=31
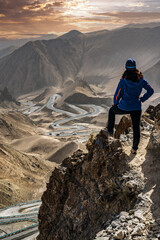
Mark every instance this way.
x=138 y=4
x=43 y=16
x=78 y=8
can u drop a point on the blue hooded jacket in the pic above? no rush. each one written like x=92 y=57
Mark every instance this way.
x=127 y=95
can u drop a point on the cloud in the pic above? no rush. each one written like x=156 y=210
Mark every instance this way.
x=20 y=17
x=137 y=4
x=140 y=16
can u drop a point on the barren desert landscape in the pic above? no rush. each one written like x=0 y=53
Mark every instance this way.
x=55 y=95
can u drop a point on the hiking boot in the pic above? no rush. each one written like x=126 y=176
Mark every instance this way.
x=107 y=133
x=133 y=151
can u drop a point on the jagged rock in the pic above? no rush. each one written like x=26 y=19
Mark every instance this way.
x=119 y=234
x=154 y=142
x=84 y=192
x=101 y=233
x=122 y=218
x=145 y=133
x=153 y=112
x=138 y=230
x=146 y=122
x=103 y=238
x=126 y=214
x=132 y=184
x=129 y=229
x=115 y=224
x=110 y=230
x=123 y=126
x=135 y=221
x=139 y=214
x=130 y=223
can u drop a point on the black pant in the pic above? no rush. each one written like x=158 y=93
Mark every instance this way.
x=135 y=116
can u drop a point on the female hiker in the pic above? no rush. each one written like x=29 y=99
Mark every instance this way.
x=127 y=100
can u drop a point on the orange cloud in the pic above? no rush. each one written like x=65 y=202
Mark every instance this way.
x=59 y=16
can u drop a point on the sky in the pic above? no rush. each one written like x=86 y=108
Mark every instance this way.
x=26 y=18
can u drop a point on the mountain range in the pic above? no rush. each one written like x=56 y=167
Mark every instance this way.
x=5 y=42
x=6 y=51
x=97 y=57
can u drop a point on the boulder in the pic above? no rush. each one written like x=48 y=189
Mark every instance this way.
x=154 y=142
x=123 y=126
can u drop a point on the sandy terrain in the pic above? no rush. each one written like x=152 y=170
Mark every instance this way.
x=23 y=176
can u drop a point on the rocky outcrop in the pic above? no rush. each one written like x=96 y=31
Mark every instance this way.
x=85 y=191
x=154 y=142
x=103 y=195
x=123 y=126
x=131 y=225
x=154 y=114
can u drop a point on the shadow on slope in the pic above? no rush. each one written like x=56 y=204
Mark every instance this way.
x=65 y=151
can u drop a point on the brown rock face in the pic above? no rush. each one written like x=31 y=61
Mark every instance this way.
x=154 y=142
x=123 y=126
x=154 y=112
x=84 y=192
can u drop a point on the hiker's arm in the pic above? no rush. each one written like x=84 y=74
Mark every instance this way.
x=149 y=92
x=118 y=93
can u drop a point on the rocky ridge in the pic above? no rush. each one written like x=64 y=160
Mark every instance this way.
x=108 y=193
x=85 y=191
x=143 y=221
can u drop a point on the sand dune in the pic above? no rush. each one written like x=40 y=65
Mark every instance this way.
x=48 y=148
x=36 y=144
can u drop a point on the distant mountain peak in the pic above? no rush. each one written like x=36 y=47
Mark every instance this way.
x=72 y=33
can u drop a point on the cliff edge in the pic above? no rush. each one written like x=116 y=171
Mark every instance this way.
x=107 y=193
x=85 y=191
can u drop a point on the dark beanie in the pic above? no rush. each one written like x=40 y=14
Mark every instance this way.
x=130 y=64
